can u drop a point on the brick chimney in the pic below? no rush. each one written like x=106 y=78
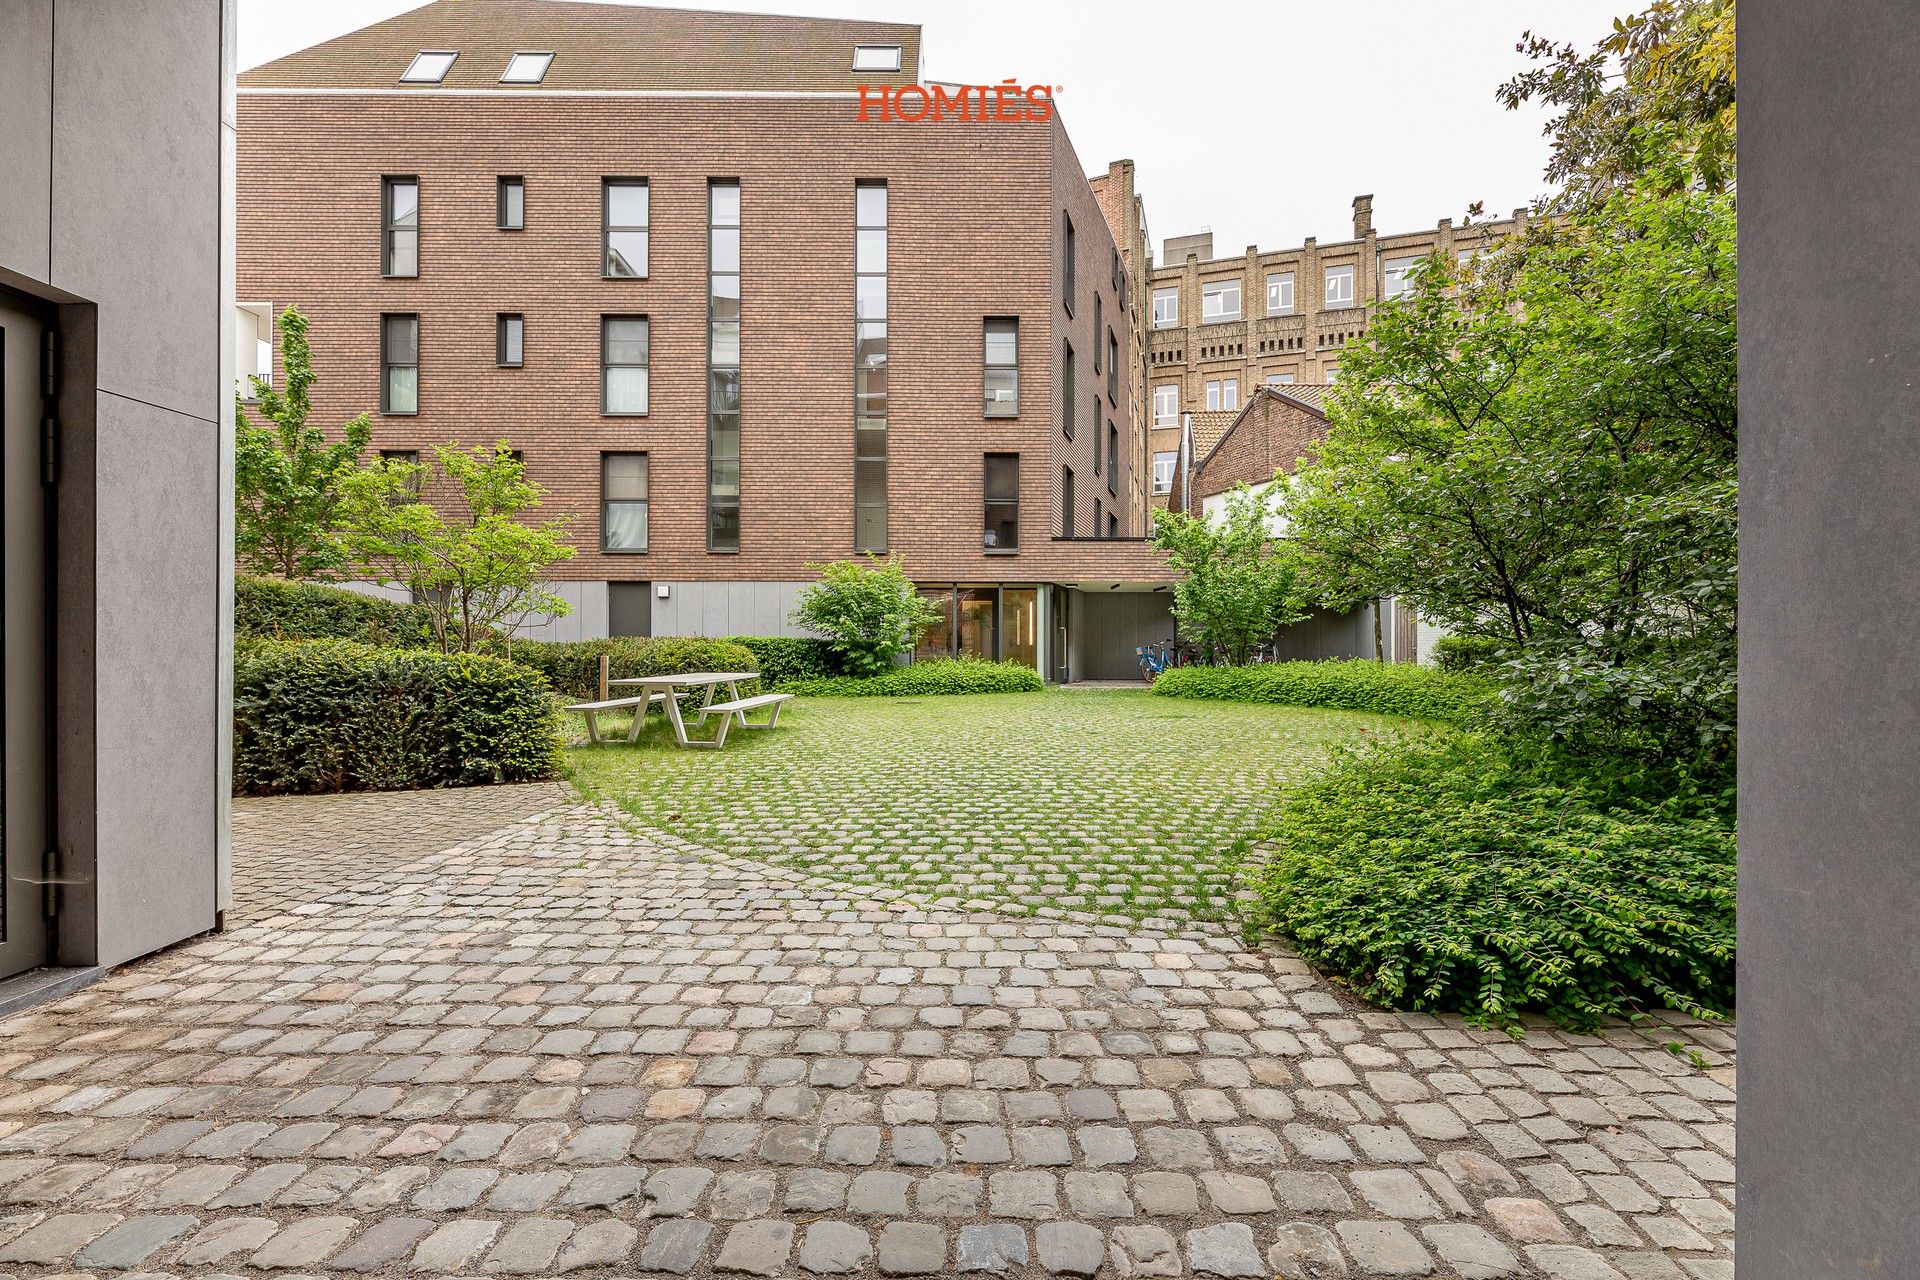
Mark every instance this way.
x=1362 y=217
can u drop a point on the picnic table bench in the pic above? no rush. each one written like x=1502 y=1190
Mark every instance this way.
x=667 y=690
x=592 y=710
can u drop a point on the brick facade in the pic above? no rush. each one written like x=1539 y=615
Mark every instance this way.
x=1274 y=433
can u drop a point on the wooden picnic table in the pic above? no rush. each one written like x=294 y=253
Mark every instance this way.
x=671 y=687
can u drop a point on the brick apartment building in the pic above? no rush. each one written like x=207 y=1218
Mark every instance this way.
x=734 y=329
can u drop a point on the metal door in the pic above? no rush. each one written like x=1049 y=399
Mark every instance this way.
x=24 y=687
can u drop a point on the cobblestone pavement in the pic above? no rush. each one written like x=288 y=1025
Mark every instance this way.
x=565 y=1049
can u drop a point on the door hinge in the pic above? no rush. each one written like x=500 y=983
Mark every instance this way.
x=49 y=396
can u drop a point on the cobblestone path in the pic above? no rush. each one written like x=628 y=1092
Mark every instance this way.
x=559 y=1048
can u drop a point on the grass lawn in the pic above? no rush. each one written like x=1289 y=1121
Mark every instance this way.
x=1110 y=802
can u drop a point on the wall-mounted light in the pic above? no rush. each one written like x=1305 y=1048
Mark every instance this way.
x=661 y=589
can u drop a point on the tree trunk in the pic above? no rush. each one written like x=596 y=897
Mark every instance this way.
x=1379 y=646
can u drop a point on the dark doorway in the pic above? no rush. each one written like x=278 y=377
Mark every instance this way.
x=630 y=608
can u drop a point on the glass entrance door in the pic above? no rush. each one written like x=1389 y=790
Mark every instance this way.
x=23 y=638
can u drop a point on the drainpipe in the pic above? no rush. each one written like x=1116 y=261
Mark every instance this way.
x=1186 y=463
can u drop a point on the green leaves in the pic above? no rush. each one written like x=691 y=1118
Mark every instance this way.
x=1239 y=583
x=1390 y=688
x=869 y=613
x=926 y=679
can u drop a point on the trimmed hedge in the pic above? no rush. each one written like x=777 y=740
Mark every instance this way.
x=1445 y=875
x=275 y=609
x=942 y=676
x=784 y=659
x=1391 y=688
x=333 y=715
x=573 y=667
x=1465 y=653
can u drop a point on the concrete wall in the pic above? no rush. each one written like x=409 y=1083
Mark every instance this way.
x=689 y=609
x=1829 y=672
x=112 y=138
x=1105 y=627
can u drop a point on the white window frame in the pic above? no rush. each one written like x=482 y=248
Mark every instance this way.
x=1397 y=276
x=1344 y=273
x=539 y=58
x=876 y=57
x=1171 y=296
x=1223 y=395
x=1213 y=294
x=418 y=74
x=262 y=362
x=1171 y=392
x=1279 y=379
x=1163 y=464
x=1280 y=293
x=1332 y=372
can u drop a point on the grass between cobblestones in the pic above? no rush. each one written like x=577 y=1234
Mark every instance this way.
x=1103 y=802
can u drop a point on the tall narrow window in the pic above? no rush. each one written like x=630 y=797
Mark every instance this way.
x=510 y=204
x=1099 y=322
x=1280 y=293
x=723 y=366
x=1066 y=383
x=1099 y=516
x=1166 y=308
x=1163 y=471
x=1002 y=362
x=870 y=366
x=1095 y=412
x=1339 y=288
x=400 y=222
x=1066 y=502
x=623 y=502
x=1000 y=486
x=623 y=365
x=509 y=340
x=399 y=364
x=623 y=223
x=1113 y=367
x=1113 y=459
x=1066 y=262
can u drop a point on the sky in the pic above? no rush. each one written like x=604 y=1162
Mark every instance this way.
x=1259 y=120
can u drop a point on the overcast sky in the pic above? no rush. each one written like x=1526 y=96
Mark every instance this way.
x=1261 y=119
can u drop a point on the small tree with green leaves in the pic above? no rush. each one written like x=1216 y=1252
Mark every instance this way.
x=869 y=613
x=479 y=571
x=1239 y=584
x=288 y=480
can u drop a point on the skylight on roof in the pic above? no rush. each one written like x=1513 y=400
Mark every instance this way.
x=430 y=66
x=876 y=57
x=527 y=68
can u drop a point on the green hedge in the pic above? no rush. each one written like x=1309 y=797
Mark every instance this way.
x=573 y=667
x=1392 y=688
x=275 y=609
x=1446 y=876
x=1465 y=653
x=927 y=678
x=784 y=659
x=333 y=715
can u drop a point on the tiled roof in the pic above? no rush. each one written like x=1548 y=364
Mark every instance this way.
x=1311 y=394
x=1209 y=426
x=599 y=47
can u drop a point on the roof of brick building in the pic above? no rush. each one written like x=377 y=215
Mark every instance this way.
x=598 y=47
x=1209 y=426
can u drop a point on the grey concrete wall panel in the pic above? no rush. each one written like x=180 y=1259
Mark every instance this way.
x=1829 y=668
x=26 y=119
x=1105 y=627
x=1328 y=635
x=76 y=683
x=727 y=609
x=158 y=585
x=223 y=478
x=136 y=193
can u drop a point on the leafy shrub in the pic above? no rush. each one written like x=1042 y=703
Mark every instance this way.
x=572 y=667
x=1465 y=653
x=1392 y=688
x=784 y=659
x=332 y=715
x=1443 y=876
x=275 y=609
x=870 y=613
x=945 y=675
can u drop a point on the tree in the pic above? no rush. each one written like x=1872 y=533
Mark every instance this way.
x=1652 y=103
x=1544 y=452
x=870 y=613
x=479 y=572
x=287 y=478
x=1238 y=584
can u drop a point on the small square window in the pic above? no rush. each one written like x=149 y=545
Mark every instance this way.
x=429 y=66
x=526 y=68
x=876 y=57
x=1220 y=300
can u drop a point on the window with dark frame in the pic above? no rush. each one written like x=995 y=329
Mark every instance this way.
x=1001 y=363
x=1113 y=459
x=1099 y=322
x=1099 y=517
x=400 y=364
x=870 y=367
x=623 y=502
x=1113 y=367
x=1000 y=490
x=623 y=366
x=1066 y=269
x=1113 y=525
x=1066 y=383
x=1116 y=271
x=723 y=365
x=1096 y=433
x=623 y=228
x=510 y=204
x=400 y=227
x=405 y=458
x=1066 y=502
x=509 y=340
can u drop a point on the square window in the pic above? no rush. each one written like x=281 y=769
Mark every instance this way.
x=429 y=66
x=1397 y=276
x=526 y=68
x=1220 y=300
